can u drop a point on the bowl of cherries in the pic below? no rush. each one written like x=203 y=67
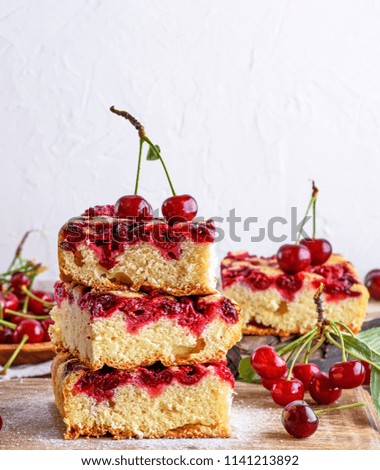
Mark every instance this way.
x=24 y=314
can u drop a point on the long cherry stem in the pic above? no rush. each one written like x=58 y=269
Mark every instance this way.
x=158 y=154
x=312 y=202
x=342 y=407
x=14 y=355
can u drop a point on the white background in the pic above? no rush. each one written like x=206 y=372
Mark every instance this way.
x=247 y=99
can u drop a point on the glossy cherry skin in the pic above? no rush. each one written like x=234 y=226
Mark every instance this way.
x=285 y=391
x=304 y=373
x=134 y=207
x=372 y=282
x=32 y=328
x=179 y=208
x=9 y=301
x=268 y=383
x=1 y=423
x=6 y=335
x=322 y=390
x=37 y=307
x=299 y=419
x=346 y=375
x=45 y=325
x=293 y=258
x=367 y=368
x=18 y=280
x=267 y=363
x=320 y=250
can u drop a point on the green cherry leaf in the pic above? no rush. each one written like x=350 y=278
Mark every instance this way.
x=151 y=155
x=371 y=338
x=245 y=370
x=358 y=348
x=375 y=389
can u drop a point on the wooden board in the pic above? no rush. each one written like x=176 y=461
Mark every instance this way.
x=31 y=421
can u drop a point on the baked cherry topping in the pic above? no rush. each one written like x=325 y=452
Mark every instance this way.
x=18 y=280
x=135 y=207
x=285 y=391
x=346 y=375
x=293 y=258
x=37 y=307
x=322 y=390
x=99 y=211
x=338 y=280
x=304 y=373
x=101 y=385
x=60 y=293
x=32 y=328
x=257 y=280
x=372 y=282
x=267 y=363
x=299 y=419
x=320 y=250
x=193 y=313
x=179 y=208
x=289 y=284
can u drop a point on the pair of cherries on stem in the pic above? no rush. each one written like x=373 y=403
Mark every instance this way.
x=175 y=209
x=314 y=251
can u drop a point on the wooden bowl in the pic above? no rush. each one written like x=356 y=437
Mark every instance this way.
x=32 y=353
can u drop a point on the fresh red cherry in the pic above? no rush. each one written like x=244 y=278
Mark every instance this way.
x=179 y=208
x=293 y=258
x=268 y=383
x=304 y=373
x=134 y=207
x=372 y=282
x=1 y=423
x=5 y=335
x=367 y=368
x=45 y=325
x=267 y=363
x=285 y=391
x=349 y=374
x=32 y=328
x=9 y=301
x=18 y=280
x=299 y=419
x=322 y=390
x=37 y=307
x=320 y=250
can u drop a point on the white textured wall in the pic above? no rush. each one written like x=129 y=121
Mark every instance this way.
x=248 y=99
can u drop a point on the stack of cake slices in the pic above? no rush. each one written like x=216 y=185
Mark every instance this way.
x=141 y=332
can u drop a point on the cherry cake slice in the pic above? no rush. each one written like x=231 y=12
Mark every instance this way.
x=274 y=302
x=148 y=402
x=125 y=329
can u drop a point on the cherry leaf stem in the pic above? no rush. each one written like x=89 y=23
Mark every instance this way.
x=342 y=407
x=35 y=297
x=297 y=354
x=351 y=353
x=342 y=325
x=10 y=325
x=158 y=154
x=14 y=355
x=27 y=315
x=316 y=346
x=293 y=345
x=339 y=333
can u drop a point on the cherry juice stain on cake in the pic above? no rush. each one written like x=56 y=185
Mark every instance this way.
x=253 y=272
x=108 y=236
x=101 y=385
x=194 y=312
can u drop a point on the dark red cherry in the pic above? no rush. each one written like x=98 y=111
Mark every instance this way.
x=1 y=423
x=9 y=301
x=18 y=280
x=267 y=363
x=179 y=208
x=320 y=250
x=349 y=374
x=293 y=258
x=285 y=391
x=45 y=325
x=322 y=390
x=304 y=373
x=372 y=282
x=367 y=368
x=37 y=307
x=5 y=335
x=299 y=419
x=268 y=383
x=135 y=207
x=32 y=328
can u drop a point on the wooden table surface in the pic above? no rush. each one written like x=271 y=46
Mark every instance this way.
x=31 y=421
